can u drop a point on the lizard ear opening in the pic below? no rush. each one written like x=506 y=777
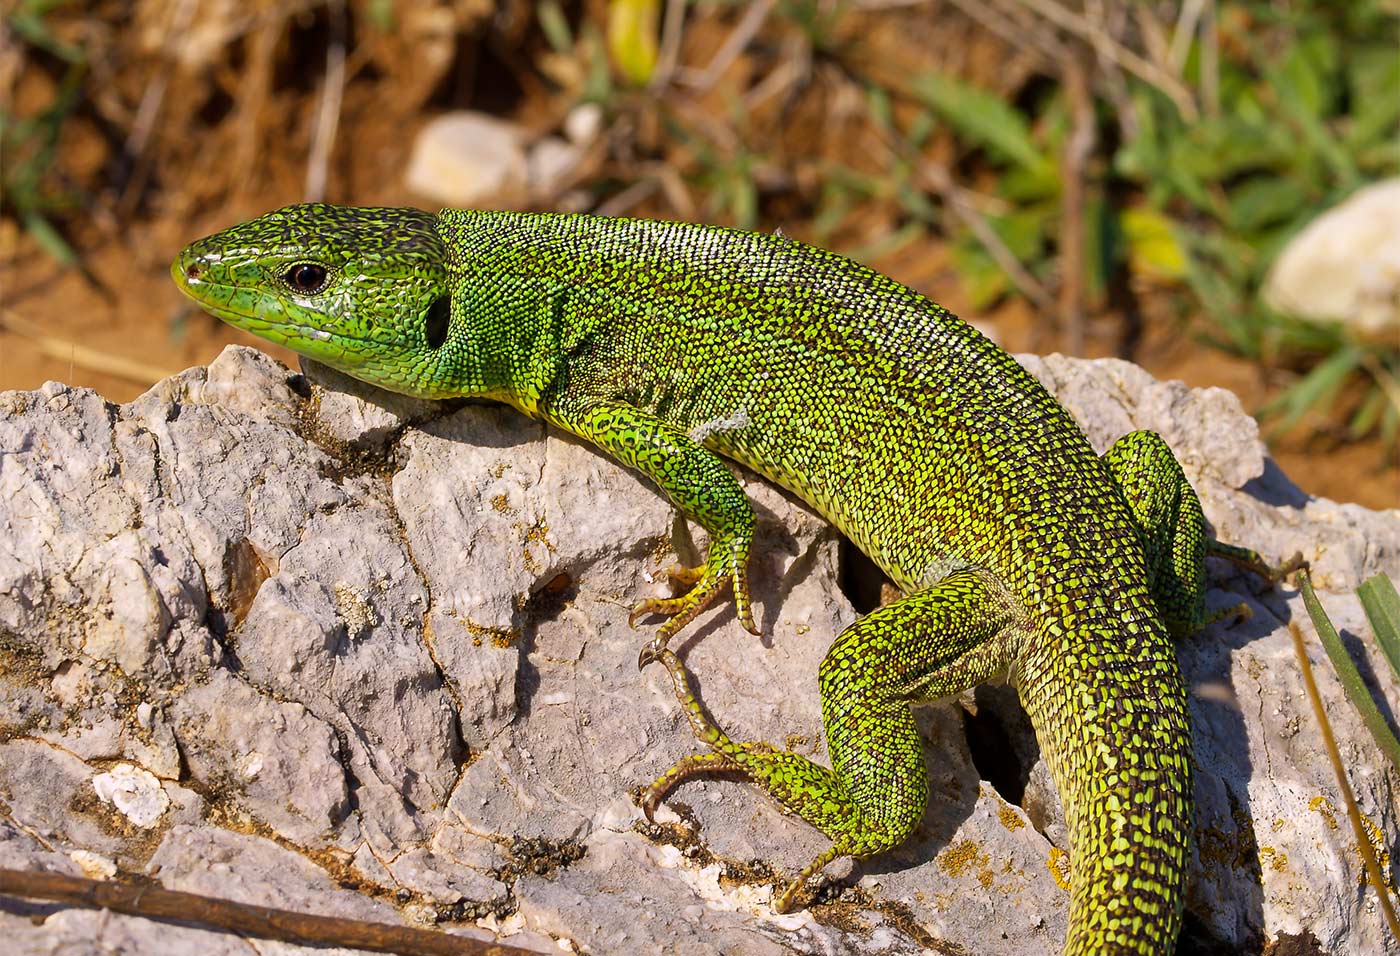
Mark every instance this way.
x=436 y=322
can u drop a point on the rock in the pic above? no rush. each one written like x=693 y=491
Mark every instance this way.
x=373 y=652
x=550 y=166
x=136 y=793
x=1345 y=266
x=468 y=161
x=584 y=123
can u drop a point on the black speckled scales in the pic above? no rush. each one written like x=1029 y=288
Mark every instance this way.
x=1021 y=552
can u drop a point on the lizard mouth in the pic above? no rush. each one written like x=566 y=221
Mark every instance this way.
x=221 y=300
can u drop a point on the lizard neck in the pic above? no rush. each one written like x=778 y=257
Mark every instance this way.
x=512 y=299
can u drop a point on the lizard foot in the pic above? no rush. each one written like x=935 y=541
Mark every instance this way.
x=786 y=901
x=1252 y=561
x=1240 y=612
x=707 y=584
x=682 y=770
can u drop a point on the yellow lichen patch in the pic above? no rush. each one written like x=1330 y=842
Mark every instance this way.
x=1273 y=859
x=355 y=610
x=1059 y=867
x=501 y=504
x=501 y=637
x=1324 y=806
x=1009 y=818
x=962 y=857
x=1378 y=847
x=536 y=532
x=1278 y=824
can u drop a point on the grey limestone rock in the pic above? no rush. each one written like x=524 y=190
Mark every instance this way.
x=269 y=635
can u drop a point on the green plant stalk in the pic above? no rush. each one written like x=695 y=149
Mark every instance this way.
x=1381 y=603
x=1350 y=677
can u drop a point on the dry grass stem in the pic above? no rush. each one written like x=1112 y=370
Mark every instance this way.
x=1363 y=840
x=81 y=356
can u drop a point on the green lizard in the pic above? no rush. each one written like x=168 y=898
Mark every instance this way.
x=1020 y=551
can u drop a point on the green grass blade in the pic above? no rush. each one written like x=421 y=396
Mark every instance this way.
x=49 y=239
x=1381 y=603
x=1350 y=677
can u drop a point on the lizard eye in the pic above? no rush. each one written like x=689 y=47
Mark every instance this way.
x=306 y=277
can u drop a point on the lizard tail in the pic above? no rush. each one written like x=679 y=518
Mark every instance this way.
x=1119 y=748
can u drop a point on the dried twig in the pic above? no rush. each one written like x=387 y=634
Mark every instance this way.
x=253 y=93
x=1035 y=39
x=1081 y=26
x=739 y=38
x=152 y=99
x=1185 y=32
x=1078 y=148
x=954 y=197
x=81 y=356
x=243 y=918
x=1210 y=60
x=672 y=29
x=1363 y=840
x=622 y=203
x=328 y=115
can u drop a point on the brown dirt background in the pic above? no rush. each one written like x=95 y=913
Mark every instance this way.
x=236 y=92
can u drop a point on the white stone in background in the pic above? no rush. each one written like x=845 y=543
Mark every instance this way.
x=1345 y=266
x=550 y=164
x=583 y=123
x=136 y=794
x=468 y=161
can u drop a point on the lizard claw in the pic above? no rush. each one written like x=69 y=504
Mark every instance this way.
x=649 y=654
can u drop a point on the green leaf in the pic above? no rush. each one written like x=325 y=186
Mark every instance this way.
x=1265 y=200
x=1374 y=79
x=29 y=25
x=1024 y=231
x=1305 y=93
x=1350 y=677
x=49 y=239
x=878 y=105
x=1390 y=426
x=1021 y=184
x=1368 y=414
x=1103 y=246
x=982 y=118
x=1302 y=78
x=1319 y=387
x=555 y=26
x=981 y=277
x=1153 y=248
x=1382 y=606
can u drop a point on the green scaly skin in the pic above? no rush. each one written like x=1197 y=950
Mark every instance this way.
x=1022 y=553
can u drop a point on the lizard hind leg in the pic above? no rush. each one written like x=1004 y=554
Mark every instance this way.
x=931 y=644
x=1169 y=517
x=1172 y=525
x=1251 y=560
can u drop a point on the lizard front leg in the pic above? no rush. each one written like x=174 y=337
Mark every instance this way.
x=929 y=645
x=696 y=482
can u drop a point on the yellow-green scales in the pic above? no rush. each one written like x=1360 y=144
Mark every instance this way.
x=1020 y=551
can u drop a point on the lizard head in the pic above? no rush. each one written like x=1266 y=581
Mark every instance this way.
x=363 y=290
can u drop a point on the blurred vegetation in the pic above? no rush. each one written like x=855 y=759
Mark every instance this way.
x=1142 y=160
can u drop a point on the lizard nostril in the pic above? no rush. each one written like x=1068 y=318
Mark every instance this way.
x=193 y=271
